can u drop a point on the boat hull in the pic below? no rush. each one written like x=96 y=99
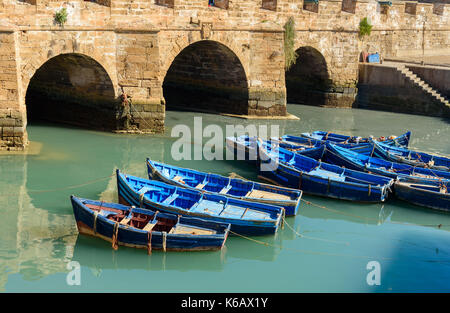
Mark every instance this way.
x=103 y=228
x=249 y=153
x=402 y=140
x=318 y=186
x=410 y=157
x=290 y=206
x=360 y=162
x=325 y=179
x=423 y=196
x=128 y=196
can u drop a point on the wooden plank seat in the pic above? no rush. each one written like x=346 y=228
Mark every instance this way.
x=181 y=229
x=143 y=190
x=261 y=194
x=225 y=190
x=125 y=221
x=179 y=179
x=171 y=198
x=149 y=227
x=200 y=186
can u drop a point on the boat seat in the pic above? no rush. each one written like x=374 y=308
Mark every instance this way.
x=181 y=229
x=225 y=190
x=200 y=186
x=149 y=227
x=327 y=174
x=262 y=194
x=179 y=179
x=143 y=190
x=208 y=207
x=124 y=221
x=171 y=198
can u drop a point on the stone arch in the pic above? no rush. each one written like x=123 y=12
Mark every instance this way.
x=72 y=88
x=179 y=43
x=35 y=62
x=207 y=75
x=308 y=80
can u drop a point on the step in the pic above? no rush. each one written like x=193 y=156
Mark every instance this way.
x=422 y=84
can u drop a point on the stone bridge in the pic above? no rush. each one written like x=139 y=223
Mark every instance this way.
x=228 y=57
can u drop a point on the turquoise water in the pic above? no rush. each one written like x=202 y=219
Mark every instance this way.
x=39 y=236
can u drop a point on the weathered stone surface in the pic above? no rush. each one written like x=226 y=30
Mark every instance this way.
x=385 y=88
x=136 y=42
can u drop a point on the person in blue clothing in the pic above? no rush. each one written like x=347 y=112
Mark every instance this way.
x=211 y=3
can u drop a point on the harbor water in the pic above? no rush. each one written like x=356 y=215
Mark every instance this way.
x=330 y=246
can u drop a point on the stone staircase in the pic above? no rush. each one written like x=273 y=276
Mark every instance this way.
x=419 y=82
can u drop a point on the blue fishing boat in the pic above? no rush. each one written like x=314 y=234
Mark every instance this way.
x=246 y=218
x=402 y=140
x=411 y=157
x=246 y=148
x=361 y=162
x=298 y=140
x=434 y=197
x=146 y=229
x=322 y=179
x=236 y=188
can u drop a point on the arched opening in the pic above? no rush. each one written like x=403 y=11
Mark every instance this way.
x=72 y=89
x=207 y=76
x=308 y=81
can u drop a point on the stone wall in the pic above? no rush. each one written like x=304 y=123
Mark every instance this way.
x=136 y=42
x=385 y=88
x=12 y=119
x=439 y=78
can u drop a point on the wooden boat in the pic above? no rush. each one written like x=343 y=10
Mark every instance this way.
x=435 y=197
x=247 y=218
x=236 y=188
x=411 y=157
x=402 y=140
x=358 y=161
x=146 y=229
x=246 y=148
x=298 y=140
x=322 y=179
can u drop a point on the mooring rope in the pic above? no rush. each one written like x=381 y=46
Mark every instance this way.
x=136 y=111
x=72 y=186
x=369 y=218
x=314 y=238
x=308 y=251
x=115 y=243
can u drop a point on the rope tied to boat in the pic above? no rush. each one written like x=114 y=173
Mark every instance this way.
x=149 y=243
x=314 y=238
x=164 y=237
x=95 y=222
x=428 y=166
x=141 y=200
x=368 y=218
x=373 y=149
x=115 y=244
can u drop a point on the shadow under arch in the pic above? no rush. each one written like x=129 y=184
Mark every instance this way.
x=74 y=89
x=308 y=80
x=207 y=76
